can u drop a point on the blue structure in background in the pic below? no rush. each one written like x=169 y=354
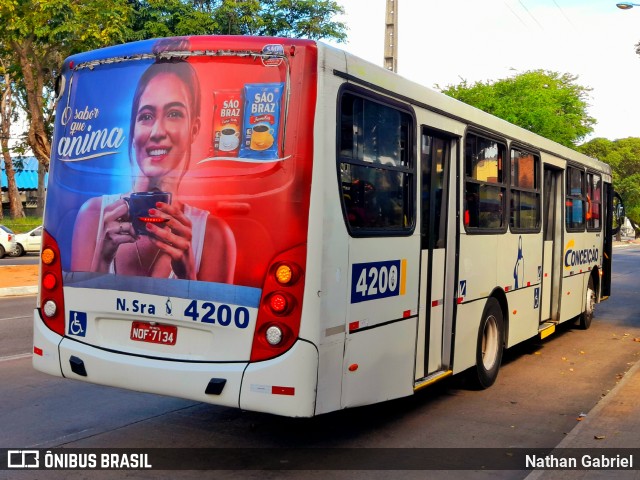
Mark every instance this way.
x=26 y=179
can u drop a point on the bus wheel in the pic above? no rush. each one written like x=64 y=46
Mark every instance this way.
x=490 y=343
x=589 y=306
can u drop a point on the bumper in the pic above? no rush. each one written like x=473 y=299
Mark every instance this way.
x=284 y=386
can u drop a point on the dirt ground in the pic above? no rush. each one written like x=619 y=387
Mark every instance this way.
x=18 y=275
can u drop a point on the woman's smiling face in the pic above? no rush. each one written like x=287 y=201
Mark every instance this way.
x=163 y=129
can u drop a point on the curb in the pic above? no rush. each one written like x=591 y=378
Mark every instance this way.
x=17 y=291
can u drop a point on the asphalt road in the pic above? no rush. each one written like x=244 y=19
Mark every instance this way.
x=541 y=392
x=30 y=258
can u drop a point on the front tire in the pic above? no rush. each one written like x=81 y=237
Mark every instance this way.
x=19 y=251
x=589 y=306
x=2 y=252
x=489 y=346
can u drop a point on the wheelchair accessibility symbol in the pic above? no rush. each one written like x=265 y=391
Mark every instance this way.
x=77 y=323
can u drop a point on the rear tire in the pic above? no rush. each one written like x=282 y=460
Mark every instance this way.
x=589 y=306
x=489 y=346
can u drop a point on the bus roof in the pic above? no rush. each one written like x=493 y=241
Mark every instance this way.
x=362 y=71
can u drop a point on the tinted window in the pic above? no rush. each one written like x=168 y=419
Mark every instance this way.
x=525 y=191
x=484 y=184
x=376 y=172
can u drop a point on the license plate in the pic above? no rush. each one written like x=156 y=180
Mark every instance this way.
x=146 y=332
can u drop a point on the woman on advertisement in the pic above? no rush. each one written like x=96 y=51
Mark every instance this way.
x=149 y=231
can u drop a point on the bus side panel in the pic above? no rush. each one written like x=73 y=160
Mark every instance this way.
x=466 y=337
x=325 y=302
x=380 y=364
x=520 y=275
x=572 y=288
x=379 y=358
x=581 y=254
x=524 y=315
x=478 y=266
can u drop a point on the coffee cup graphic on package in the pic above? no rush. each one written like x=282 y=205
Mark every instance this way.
x=229 y=139
x=261 y=137
x=140 y=203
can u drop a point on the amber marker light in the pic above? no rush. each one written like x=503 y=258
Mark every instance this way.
x=284 y=274
x=47 y=256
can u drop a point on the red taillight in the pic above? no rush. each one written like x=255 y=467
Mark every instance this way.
x=280 y=311
x=10 y=237
x=49 y=281
x=278 y=303
x=51 y=294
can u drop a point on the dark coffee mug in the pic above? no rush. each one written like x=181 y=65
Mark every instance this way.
x=139 y=205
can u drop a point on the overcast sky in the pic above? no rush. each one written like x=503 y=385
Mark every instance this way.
x=444 y=41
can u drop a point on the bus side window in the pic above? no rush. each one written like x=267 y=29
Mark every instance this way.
x=376 y=170
x=484 y=185
x=575 y=199
x=594 y=195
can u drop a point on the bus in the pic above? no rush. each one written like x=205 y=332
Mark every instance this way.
x=276 y=225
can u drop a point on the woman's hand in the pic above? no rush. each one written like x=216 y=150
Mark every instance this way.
x=116 y=230
x=174 y=238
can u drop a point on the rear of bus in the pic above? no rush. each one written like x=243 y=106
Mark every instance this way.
x=229 y=338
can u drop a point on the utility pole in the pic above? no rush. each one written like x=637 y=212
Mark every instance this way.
x=391 y=36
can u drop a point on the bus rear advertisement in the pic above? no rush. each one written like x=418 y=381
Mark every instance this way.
x=275 y=225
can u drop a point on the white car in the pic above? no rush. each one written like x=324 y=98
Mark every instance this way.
x=28 y=242
x=7 y=241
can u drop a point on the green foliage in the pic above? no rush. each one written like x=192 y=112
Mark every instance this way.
x=37 y=35
x=287 y=18
x=547 y=103
x=624 y=157
x=22 y=225
x=65 y=26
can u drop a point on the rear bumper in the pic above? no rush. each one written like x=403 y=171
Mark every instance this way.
x=285 y=385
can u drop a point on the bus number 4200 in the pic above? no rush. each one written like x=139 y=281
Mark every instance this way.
x=223 y=315
x=375 y=280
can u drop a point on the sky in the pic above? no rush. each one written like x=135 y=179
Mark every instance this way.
x=442 y=42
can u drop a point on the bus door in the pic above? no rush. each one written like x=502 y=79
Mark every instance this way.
x=552 y=254
x=437 y=266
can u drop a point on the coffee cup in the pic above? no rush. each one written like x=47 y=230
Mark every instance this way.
x=140 y=203
x=261 y=137
x=229 y=139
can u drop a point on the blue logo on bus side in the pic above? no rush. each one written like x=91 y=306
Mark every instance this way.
x=371 y=281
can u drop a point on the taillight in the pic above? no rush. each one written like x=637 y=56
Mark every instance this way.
x=10 y=236
x=51 y=293
x=280 y=311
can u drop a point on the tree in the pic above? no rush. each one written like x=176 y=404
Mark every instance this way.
x=7 y=115
x=301 y=18
x=547 y=103
x=624 y=157
x=39 y=34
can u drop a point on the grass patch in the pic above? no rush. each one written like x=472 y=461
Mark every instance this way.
x=21 y=225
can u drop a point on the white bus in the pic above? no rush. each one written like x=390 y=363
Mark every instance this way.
x=278 y=226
